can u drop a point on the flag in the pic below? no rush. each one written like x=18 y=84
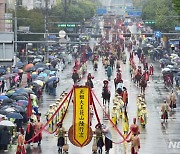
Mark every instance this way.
x=29 y=107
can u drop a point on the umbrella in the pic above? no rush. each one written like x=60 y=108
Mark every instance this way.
x=14 y=115
x=52 y=73
x=31 y=69
x=52 y=79
x=40 y=69
x=44 y=75
x=39 y=82
x=2 y=71
x=47 y=71
x=34 y=73
x=32 y=96
x=2 y=78
x=22 y=102
x=7 y=100
x=169 y=66
x=54 y=69
x=20 y=64
x=12 y=108
x=2 y=97
x=34 y=76
x=21 y=90
x=48 y=64
x=38 y=65
x=41 y=78
x=9 y=109
x=6 y=123
x=165 y=61
x=28 y=66
x=178 y=74
x=36 y=60
x=20 y=97
x=6 y=76
x=2 y=116
x=51 y=57
x=20 y=71
x=54 y=62
x=15 y=70
x=177 y=60
x=166 y=70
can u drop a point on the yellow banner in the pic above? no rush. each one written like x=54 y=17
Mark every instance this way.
x=81 y=115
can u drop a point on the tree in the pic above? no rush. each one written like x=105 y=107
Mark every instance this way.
x=176 y=5
x=162 y=12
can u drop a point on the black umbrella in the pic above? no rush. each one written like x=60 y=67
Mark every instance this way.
x=54 y=62
x=13 y=106
x=38 y=65
x=7 y=100
x=14 y=115
x=21 y=97
x=54 y=69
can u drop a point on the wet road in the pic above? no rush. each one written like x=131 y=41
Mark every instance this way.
x=154 y=138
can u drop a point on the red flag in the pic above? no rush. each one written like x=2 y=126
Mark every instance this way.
x=29 y=107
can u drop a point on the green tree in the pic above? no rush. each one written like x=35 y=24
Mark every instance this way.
x=162 y=12
x=176 y=5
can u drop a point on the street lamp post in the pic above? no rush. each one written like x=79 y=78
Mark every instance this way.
x=15 y=32
x=46 y=30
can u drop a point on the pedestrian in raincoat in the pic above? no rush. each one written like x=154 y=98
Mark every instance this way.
x=108 y=137
x=125 y=122
x=75 y=76
x=5 y=138
x=109 y=72
x=29 y=131
x=134 y=127
x=99 y=137
x=49 y=114
x=164 y=111
x=151 y=69
x=125 y=96
x=21 y=143
x=135 y=143
x=38 y=126
x=120 y=105
x=114 y=115
x=143 y=115
x=61 y=137
x=34 y=117
x=172 y=99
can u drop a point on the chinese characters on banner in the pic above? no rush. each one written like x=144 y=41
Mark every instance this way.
x=81 y=115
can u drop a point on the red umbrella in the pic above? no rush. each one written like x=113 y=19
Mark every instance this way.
x=29 y=107
x=28 y=66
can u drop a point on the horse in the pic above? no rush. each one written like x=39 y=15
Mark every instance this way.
x=143 y=85
x=106 y=96
x=137 y=79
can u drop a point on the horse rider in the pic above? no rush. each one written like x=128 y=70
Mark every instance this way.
x=89 y=80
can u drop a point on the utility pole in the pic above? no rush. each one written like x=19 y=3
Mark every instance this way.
x=15 y=32
x=46 y=31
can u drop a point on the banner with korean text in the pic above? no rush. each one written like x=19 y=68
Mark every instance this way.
x=81 y=126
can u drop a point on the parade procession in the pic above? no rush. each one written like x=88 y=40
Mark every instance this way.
x=105 y=84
